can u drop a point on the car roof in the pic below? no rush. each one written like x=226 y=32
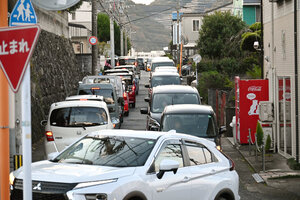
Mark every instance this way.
x=174 y=89
x=164 y=73
x=148 y=135
x=188 y=108
x=89 y=103
x=116 y=70
x=101 y=85
x=85 y=97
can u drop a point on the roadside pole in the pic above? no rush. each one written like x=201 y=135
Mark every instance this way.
x=94 y=33
x=177 y=42
x=112 y=42
x=4 y=118
x=180 y=59
x=122 y=41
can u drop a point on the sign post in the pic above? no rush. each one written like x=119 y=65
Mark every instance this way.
x=24 y=14
x=197 y=58
x=16 y=48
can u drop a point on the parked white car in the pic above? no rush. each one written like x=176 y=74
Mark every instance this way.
x=133 y=165
x=71 y=119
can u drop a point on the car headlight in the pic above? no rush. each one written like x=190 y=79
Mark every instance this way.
x=93 y=183
x=11 y=178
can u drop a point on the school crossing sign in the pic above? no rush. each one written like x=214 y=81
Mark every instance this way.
x=16 y=48
x=23 y=14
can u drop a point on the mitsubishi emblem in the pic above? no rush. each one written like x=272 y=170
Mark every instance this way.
x=37 y=187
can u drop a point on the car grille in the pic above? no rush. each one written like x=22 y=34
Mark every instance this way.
x=18 y=195
x=43 y=190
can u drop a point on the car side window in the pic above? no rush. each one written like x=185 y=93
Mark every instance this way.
x=170 y=152
x=199 y=154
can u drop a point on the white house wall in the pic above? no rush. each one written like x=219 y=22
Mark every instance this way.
x=187 y=30
x=283 y=50
x=53 y=21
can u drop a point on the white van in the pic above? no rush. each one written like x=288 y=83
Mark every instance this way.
x=69 y=120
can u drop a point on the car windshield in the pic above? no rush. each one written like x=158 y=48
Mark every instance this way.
x=160 y=100
x=159 y=64
x=78 y=117
x=107 y=94
x=165 y=80
x=200 y=125
x=127 y=61
x=110 y=151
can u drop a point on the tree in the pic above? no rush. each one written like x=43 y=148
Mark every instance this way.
x=103 y=23
x=215 y=31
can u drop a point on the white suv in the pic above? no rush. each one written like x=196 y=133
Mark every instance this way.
x=133 y=165
x=71 y=119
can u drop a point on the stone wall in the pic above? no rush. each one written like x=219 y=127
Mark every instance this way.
x=55 y=73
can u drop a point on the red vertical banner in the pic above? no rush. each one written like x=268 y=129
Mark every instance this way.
x=250 y=93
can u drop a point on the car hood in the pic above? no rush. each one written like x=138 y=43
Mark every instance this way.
x=156 y=116
x=73 y=173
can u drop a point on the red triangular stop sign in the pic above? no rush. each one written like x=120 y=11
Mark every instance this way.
x=16 y=48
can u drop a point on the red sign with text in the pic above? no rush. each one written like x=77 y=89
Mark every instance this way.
x=16 y=48
x=248 y=95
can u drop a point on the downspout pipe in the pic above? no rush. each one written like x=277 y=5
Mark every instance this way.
x=296 y=79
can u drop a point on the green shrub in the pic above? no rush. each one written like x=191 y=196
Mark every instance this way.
x=255 y=27
x=259 y=134
x=292 y=163
x=248 y=40
x=268 y=143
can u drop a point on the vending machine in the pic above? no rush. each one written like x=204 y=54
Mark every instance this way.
x=248 y=94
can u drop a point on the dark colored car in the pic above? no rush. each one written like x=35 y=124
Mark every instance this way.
x=196 y=120
x=140 y=63
x=126 y=60
x=110 y=98
x=162 y=96
x=130 y=85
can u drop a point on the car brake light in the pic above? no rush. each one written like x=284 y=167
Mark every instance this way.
x=83 y=99
x=125 y=95
x=133 y=88
x=49 y=136
x=95 y=88
x=231 y=162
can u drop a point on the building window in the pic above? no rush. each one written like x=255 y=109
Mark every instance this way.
x=196 y=25
x=73 y=16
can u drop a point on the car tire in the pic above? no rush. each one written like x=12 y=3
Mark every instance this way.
x=126 y=113
x=135 y=198
x=133 y=105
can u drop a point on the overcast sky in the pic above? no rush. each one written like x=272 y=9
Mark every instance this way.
x=147 y=2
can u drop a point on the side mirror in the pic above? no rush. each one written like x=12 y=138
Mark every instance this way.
x=167 y=166
x=144 y=110
x=147 y=99
x=154 y=128
x=222 y=130
x=111 y=109
x=43 y=123
x=147 y=86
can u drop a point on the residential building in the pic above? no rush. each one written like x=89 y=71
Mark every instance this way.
x=280 y=68
x=80 y=25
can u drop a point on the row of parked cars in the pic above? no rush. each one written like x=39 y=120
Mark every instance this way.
x=101 y=103
x=135 y=165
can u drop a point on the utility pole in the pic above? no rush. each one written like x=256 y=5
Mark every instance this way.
x=112 y=42
x=4 y=118
x=122 y=41
x=126 y=48
x=94 y=33
x=178 y=53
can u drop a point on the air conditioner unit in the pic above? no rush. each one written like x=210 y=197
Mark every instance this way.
x=266 y=113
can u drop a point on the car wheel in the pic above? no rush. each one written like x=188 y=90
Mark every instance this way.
x=133 y=105
x=135 y=198
x=121 y=119
x=126 y=113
